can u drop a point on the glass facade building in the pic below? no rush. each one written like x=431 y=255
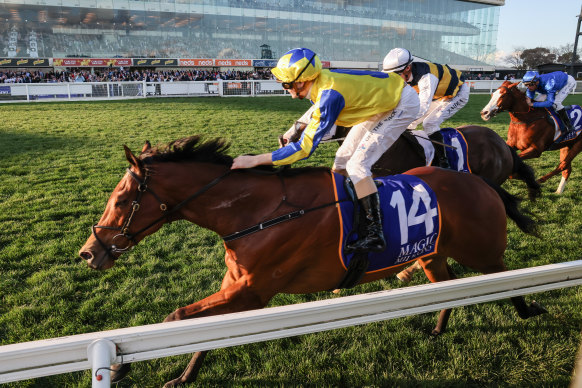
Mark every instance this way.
x=443 y=31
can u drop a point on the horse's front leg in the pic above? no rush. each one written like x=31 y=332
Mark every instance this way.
x=235 y=297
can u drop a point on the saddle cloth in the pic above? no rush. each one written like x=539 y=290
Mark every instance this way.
x=410 y=219
x=458 y=157
x=562 y=135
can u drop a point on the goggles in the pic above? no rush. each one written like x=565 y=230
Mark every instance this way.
x=289 y=85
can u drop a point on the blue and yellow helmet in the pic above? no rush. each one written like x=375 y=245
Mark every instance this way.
x=297 y=65
x=530 y=76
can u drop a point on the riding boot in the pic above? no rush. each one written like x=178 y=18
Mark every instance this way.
x=565 y=119
x=373 y=237
x=440 y=153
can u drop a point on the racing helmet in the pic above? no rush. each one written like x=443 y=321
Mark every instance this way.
x=297 y=65
x=530 y=76
x=396 y=60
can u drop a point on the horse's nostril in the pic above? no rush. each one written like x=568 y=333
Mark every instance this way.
x=86 y=255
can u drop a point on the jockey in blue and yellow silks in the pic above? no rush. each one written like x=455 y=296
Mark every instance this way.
x=379 y=106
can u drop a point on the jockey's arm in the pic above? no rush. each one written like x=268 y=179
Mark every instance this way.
x=326 y=112
x=426 y=88
x=548 y=103
x=249 y=161
x=305 y=119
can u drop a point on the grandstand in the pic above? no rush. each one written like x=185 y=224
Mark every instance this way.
x=446 y=31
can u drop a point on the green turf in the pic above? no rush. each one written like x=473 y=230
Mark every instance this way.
x=60 y=161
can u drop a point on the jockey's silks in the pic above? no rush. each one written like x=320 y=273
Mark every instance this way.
x=449 y=79
x=346 y=98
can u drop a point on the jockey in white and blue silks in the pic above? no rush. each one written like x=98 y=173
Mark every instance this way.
x=378 y=107
x=556 y=86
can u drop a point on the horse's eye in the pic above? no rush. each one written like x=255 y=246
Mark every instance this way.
x=121 y=203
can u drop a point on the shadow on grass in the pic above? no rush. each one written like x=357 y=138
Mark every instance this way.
x=15 y=143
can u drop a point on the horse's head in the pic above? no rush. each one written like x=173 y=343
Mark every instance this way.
x=133 y=211
x=502 y=99
x=156 y=189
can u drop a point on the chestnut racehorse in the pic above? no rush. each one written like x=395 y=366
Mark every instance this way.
x=488 y=156
x=529 y=130
x=190 y=179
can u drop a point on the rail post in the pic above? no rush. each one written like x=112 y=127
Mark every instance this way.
x=101 y=354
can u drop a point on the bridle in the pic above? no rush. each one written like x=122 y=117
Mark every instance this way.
x=143 y=188
x=509 y=91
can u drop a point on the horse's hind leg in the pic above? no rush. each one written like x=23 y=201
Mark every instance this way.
x=437 y=270
x=524 y=311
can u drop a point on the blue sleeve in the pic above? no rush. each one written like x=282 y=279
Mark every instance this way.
x=331 y=103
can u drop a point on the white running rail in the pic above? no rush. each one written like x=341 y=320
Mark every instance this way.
x=99 y=350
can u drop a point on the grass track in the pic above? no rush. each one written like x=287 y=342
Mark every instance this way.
x=60 y=161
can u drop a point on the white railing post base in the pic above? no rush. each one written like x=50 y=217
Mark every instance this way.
x=101 y=354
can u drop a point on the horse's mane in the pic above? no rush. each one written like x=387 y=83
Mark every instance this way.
x=194 y=149
x=191 y=149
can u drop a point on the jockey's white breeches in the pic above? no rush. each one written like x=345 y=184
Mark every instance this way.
x=366 y=142
x=441 y=110
x=563 y=93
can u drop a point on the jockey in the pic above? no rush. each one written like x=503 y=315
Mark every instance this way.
x=378 y=106
x=442 y=92
x=556 y=86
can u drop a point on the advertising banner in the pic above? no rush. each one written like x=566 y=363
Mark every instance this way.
x=91 y=62
x=153 y=62
x=264 y=62
x=197 y=62
x=233 y=62
x=24 y=62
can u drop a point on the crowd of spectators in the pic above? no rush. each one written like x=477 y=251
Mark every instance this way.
x=120 y=74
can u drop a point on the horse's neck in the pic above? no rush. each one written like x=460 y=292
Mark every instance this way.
x=241 y=198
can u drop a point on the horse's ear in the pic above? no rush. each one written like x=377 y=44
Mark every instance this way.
x=131 y=158
x=506 y=83
x=146 y=146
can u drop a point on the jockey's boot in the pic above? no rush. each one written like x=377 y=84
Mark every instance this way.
x=565 y=119
x=440 y=154
x=373 y=236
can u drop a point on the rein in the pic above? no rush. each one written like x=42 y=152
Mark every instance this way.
x=143 y=188
x=135 y=206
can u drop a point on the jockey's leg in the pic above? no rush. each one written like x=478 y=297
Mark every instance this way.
x=560 y=97
x=348 y=147
x=380 y=132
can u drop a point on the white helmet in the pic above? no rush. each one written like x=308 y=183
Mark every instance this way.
x=396 y=60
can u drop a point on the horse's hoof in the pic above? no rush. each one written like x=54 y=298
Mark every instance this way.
x=404 y=277
x=435 y=333
x=119 y=371
x=535 y=309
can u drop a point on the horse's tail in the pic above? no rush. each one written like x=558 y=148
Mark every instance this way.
x=524 y=222
x=525 y=172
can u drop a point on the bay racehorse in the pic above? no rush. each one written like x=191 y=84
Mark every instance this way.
x=191 y=179
x=531 y=131
x=488 y=155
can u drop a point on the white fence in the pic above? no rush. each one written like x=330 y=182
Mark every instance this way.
x=97 y=351
x=123 y=90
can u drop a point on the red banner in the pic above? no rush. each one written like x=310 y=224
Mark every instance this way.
x=92 y=62
x=197 y=62
x=325 y=64
x=233 y=62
